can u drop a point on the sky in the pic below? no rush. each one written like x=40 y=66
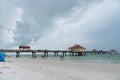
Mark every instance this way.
x=59 y=24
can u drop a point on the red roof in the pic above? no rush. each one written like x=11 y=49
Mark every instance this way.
x=77 y=46
x=24 y=46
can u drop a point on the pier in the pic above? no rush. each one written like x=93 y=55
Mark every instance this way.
x=56 y=52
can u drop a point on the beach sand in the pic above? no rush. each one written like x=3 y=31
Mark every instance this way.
x=38 y=69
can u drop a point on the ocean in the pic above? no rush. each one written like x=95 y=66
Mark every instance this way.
x=104 y=58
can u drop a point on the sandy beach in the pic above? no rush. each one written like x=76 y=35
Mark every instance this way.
x=38 y=69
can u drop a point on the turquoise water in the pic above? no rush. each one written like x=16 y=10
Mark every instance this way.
x=106 y=58
x=97 y=58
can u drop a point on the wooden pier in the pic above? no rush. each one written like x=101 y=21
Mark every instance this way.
x=56 y=52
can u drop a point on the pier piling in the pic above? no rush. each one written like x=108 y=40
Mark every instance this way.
x=17 y=54
x=33 y=55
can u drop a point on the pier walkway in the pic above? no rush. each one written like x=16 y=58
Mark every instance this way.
x=56 y=52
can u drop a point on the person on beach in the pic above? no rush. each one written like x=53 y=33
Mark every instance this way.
x=62 y=58
x=42 y=56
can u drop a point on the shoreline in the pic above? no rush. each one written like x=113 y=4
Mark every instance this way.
x=59 y=70
x=114 y=59
x=65 y=60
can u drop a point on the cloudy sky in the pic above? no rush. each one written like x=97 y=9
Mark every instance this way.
x=59 y=24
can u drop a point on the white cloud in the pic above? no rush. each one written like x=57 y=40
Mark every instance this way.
x=37 y=16
x=60 y=24
x=80 y=27
x=9 y=14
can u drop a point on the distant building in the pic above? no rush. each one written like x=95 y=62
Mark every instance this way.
x=94 y=50
x=113 y=51
x=77 y=47
x=100 y=50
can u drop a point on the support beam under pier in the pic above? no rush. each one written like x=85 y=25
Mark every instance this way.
x=17 y=54
x=55 y=53
x=80 y=54
x=64 y=54
x=45 y=54
x=34 y=55
x=72 y=53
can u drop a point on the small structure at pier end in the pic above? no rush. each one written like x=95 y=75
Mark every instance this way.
x=113 y=51
x=24 y=47
x=77 y=48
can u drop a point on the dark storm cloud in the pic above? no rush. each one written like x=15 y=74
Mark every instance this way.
x=38 y=15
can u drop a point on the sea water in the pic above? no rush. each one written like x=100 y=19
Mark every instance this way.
x=103 y=58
